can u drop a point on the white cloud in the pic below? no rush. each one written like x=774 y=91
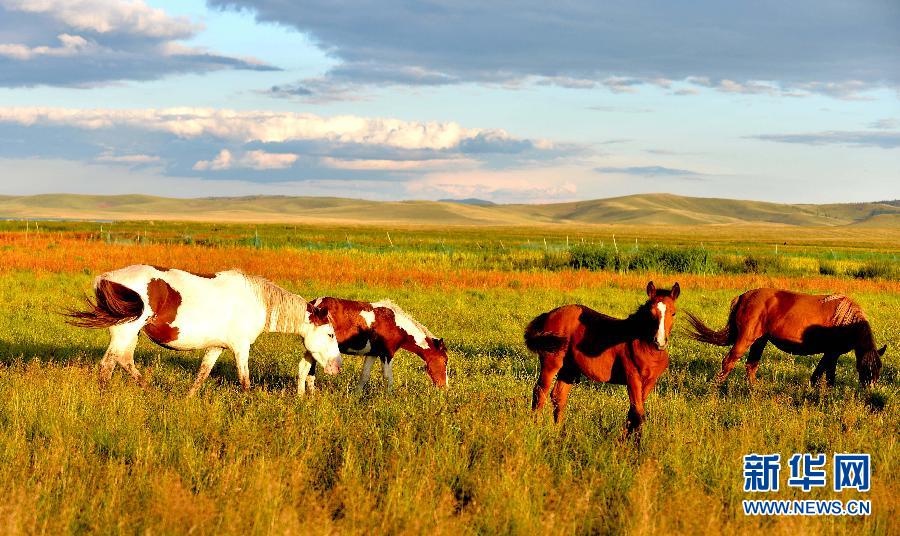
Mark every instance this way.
x=85 y=43
x=258 y=160
x=71 y=45
x=108 y=16
x=264 y=126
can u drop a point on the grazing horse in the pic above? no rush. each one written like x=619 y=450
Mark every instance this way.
x=799 y=324
x=573 y=340
x=185 y=311
x=378 y=330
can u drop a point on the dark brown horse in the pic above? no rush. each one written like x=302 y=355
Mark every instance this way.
x=573 y=340
x=799 y=324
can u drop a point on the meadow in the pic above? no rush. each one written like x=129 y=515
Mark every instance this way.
x=471 y=459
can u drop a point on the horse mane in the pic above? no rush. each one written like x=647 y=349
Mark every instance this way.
x=285 y=311
x=847 y=312
x=399 y=311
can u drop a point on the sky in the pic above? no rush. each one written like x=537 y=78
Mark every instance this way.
x=521 y=101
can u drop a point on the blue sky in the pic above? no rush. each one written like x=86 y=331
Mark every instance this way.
x=508 y=101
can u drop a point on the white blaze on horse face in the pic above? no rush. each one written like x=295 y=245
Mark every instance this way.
x=368 y=316
x=661 y=332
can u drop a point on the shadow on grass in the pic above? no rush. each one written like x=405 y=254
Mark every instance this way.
x=146 y=359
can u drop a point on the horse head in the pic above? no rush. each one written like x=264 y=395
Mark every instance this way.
x=868 y=365
x=320 y=340
x=436 y=361
x=661 y=308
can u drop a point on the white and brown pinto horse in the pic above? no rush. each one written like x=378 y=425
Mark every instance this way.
x=378 y=330
x=181 y=310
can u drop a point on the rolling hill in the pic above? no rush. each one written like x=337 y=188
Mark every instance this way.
x=644 y=209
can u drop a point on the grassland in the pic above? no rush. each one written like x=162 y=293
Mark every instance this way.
x=468 y=460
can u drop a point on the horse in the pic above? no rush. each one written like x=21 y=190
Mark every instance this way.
x=573 y=340
x=182 y=310
x=378 y=330
x=799 y=324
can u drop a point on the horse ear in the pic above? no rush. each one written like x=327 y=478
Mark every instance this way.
x=676 y=291
x=322 y=312
x=651 y=289
x=439 y=343
x=883 y=350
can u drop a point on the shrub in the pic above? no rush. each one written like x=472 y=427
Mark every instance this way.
x=827 y=267
x=665 y=260
x=875 y=269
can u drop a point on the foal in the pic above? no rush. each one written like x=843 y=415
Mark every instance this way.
x=573 y=340
x=378 y=330
x=184 y=311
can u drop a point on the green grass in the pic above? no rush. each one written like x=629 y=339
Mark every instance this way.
x=469 y=460
x=793 y=251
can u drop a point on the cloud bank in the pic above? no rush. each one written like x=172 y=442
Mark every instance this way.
x=262 y=146
x=730 y=46
x=85 y=43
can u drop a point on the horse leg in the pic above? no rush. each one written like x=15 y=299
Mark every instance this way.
x=209 y=360
x=366 y=372
x=311 y=377
x=756 y=350
x=636 y=413
x=827 y=365
x=734 y=355
x=560 y=394
x=242 y=360
x=550 y=365
x=123 y=339
x=388 y=371
x=648 y=386
x=306 y=364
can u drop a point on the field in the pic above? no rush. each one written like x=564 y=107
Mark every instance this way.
x=471 y=459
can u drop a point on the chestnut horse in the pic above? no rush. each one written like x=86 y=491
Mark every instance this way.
x=573 y=340
x=185 y=311
x=378 y=330
x=799 y=324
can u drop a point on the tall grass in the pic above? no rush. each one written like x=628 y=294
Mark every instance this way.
x=469 y=460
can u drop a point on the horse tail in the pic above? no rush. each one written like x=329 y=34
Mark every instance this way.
x=723 y=337
x=537 y=340
x=114 y=304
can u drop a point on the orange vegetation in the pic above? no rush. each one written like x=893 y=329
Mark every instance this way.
x=67 y=254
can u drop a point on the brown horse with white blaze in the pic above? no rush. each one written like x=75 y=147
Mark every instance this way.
x=799 y=324
x=573 y=340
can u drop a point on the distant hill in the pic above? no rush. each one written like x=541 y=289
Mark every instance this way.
x=469 y=201
x=645 y=209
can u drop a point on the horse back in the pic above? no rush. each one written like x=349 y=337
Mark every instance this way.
x=798 y=323
x=362 y=328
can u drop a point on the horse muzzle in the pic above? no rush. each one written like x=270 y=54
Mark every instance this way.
x=334 y=366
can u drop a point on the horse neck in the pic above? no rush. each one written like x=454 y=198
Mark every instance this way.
x=285 y=311
x=637 y=325
x=865 y=339
x=409 y=344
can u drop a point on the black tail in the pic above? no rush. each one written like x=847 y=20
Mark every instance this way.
x=537 y=340
x=703 y=333
x=114 y=304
